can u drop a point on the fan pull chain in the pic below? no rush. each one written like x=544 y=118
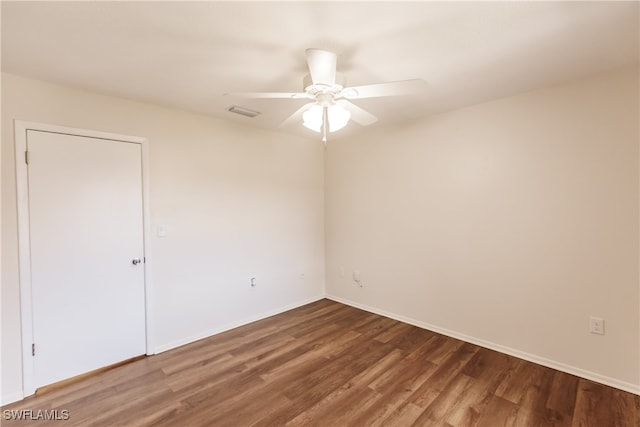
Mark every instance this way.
x=325 y=123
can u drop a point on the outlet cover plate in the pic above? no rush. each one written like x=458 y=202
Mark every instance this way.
x=596 y=325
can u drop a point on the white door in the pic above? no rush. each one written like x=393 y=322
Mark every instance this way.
x=86 y=230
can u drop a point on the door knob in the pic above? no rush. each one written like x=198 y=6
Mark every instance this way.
x=136 y=261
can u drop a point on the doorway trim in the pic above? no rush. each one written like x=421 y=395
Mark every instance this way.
x=24 y=238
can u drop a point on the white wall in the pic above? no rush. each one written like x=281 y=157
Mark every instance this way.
x=507 y=224
x=237 y=203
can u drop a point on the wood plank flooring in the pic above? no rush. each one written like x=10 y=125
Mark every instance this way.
x=327 y=364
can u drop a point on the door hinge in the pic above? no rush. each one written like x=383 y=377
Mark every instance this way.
x=33 y=349
x=26 y=157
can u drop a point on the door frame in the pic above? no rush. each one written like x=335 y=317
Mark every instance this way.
x=24 y=238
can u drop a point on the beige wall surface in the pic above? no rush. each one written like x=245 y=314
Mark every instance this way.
x=508 y=224
x=236 y=202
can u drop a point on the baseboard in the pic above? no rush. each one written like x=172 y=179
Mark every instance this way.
x=233 y=325
x=10 y=398
x=612 y=382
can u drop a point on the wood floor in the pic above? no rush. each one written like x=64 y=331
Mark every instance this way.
x=327 y=364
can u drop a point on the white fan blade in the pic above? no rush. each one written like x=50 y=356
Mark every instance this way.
x=270 y=95
x=360 y=116
x=402 y=87
x=322 y=66
x=297 y=116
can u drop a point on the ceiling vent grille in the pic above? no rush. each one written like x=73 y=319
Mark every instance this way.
x=243 y=111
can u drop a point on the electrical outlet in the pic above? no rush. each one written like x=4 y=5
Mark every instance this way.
x=356 y=277
x=596 y=325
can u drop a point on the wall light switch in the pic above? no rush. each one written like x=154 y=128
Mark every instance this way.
x=162 y=231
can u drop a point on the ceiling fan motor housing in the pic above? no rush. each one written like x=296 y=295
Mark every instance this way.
x=320 y=88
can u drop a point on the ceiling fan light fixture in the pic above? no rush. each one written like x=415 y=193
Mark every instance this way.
x=333 y=109
x=312 y=118
x=337 y=115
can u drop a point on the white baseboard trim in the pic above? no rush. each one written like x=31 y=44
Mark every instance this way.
x=10 y=398
x=233 y=325
x=612 y=382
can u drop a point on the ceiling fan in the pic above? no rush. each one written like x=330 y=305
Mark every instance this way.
x=331 y=109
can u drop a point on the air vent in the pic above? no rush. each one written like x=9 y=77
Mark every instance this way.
x=243 y=111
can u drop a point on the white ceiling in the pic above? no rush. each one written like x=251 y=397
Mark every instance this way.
x=188 y=54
